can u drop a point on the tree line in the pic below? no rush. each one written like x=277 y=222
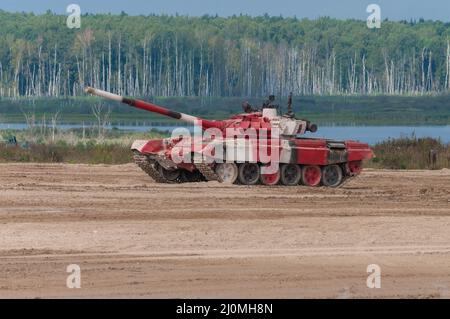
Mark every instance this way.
x=160 y=55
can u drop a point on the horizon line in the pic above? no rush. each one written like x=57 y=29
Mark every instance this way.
x=216 y=15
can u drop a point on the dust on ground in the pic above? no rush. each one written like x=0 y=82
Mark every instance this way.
x=135 y=238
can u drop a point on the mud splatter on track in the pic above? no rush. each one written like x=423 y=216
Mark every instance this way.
x=135 y=238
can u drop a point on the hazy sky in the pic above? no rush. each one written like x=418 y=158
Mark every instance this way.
x=392 y=9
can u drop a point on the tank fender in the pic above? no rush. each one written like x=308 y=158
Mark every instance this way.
x=149 y=146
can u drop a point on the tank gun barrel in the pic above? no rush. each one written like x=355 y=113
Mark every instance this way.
x=150 y=107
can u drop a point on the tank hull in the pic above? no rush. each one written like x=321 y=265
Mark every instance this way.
x=331 y=161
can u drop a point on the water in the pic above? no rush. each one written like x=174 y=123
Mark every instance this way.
x=367 y=134
x=375 y=134
x=133 y=128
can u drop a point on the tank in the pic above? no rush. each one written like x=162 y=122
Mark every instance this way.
x=258 y=146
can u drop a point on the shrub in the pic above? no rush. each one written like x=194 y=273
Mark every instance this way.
x=410 y=153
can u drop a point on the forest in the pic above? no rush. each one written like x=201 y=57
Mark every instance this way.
x=211 y=56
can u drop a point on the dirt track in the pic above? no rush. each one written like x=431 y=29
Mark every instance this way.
x=134 y=238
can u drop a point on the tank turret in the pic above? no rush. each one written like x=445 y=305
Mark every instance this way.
x=264 y=118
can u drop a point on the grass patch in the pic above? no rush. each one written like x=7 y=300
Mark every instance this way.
x=60 y=153
x=87 y=146
x=113 y=147
x=410 y=153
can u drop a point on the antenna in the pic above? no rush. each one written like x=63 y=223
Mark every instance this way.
x=290 y=113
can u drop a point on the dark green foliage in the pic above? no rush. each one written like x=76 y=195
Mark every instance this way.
x=410 y=153
x=215 y=56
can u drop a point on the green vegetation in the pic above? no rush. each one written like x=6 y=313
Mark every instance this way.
x=113 y=147
x=88 y=153
x=47 y=135
x=337 y=110
x=410 y=153
x=341 y=71
x=215 y=56
x=71 y=146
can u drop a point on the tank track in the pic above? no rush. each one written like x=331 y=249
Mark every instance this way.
x=143 y=162
x=207 y=172
x=148 y=167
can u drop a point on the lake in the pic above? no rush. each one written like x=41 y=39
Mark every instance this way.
x=375 y=134
x=367 y=134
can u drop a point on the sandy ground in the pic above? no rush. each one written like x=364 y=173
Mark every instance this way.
x=134 y=238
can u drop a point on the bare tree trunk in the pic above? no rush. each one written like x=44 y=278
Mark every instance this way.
x=102 y=119
x=54 y=123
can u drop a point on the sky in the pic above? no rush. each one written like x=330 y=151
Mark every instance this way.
x=341 y=9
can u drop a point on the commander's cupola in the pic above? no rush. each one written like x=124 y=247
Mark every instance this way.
x=267 y=117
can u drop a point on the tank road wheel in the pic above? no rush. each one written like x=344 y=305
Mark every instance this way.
x=290 y=174
x=332 y=175
x=249 y=173
x=227 y=172
x=311 y=175
x=170 y=175
x=270 y=179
